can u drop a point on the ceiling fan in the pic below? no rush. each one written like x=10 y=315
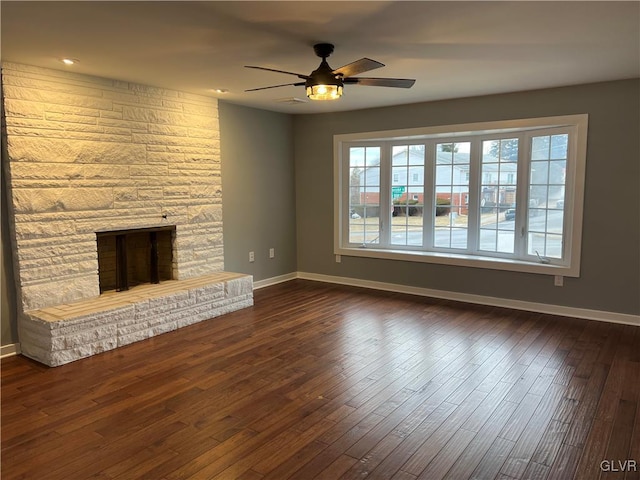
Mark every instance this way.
x=324 y=83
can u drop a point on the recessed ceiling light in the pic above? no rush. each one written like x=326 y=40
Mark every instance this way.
x=69 y=61
x=220 y=90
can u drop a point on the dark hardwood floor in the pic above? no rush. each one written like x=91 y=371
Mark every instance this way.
x=319 y=381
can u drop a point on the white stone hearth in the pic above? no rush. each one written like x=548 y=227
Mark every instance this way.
x=64 y=333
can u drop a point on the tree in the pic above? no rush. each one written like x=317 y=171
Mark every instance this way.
x=449 y=147
x=354 y=184
x=505 y=150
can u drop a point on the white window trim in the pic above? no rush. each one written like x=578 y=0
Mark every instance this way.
x=574 y=194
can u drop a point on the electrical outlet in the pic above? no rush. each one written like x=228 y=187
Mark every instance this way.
x=252 y=257
x=558 y=280
x=338 y=259
x=272 y=253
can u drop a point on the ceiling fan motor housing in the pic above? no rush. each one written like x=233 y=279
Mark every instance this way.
x=323 y=50
x=323 y=75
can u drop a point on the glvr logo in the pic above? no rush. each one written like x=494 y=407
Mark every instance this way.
x=618 y=466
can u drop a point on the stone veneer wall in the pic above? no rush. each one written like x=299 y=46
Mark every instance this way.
x=87 y=154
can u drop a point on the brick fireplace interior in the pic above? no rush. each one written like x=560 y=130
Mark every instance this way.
x=127 y=258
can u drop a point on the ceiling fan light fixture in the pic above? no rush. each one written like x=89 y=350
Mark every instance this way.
x=324 y=92
x=325 y=83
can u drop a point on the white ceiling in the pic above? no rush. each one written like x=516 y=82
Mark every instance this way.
x=453 y=49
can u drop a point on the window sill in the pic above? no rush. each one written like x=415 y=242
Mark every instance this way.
x=460 y=260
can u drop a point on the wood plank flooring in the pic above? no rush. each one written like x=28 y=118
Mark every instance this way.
x=319 y=381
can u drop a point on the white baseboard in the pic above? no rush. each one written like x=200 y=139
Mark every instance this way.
x=9 y=350
x=599 y=315
x=274 y=280
x=587 y=314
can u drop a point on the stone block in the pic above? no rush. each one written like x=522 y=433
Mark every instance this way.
x=239 y=286
x=71 y=118
x=205 y=213
x=59 y=271
x=164 y=328
x=101 y=172
x=62 y=291
x=80 y=98
x=180 y=191
x=60 y=150
x=62 y=199
x=44 y=171
x=91 y=336
x=164 y=158
x=23 y=109
x=39 y=354
x=74 y=110
x=104 y=345
x=126 y=339
x=150 y=193
x=173 y=130
x=125 y=194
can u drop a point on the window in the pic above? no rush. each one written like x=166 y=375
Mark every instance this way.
x=505 y=195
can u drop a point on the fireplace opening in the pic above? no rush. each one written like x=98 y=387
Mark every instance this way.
x=127 y=258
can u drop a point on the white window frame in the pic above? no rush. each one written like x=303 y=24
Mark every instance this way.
x=569 y=265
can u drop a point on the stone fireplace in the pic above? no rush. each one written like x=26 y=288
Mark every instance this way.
x=104 y=173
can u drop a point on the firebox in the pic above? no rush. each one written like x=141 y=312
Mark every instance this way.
x=127 y=258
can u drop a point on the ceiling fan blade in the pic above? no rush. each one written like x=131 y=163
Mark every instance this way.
x=359 y=66
x=382 y=82
x=299 y=75
x=297 y=84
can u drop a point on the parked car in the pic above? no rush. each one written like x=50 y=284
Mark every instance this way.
x=510 y=214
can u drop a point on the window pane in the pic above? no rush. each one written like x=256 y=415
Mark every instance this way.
x=372 y=156
x=356 y=156
x=509 y=150
x=539 y=173
x=364 y=195
x=461 y=152
x=407 y=196
x=557 y=172
x=555 y=220
x=553 y=247
x=540 y=148
x=499 y=174
x=372 y=177
x=488 y=240
x=559 y=146
x=416 y=155
x=399 y=175
x=443 y=174
x=490 y=150
x=538 y=196
x=452 y=195
x=400 y=155
x=545 y=223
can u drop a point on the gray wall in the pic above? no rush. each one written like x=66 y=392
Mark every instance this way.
x=8 y=312
x=265 y=205
x=8 y=298
x=610 y=276
x=258 y=190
